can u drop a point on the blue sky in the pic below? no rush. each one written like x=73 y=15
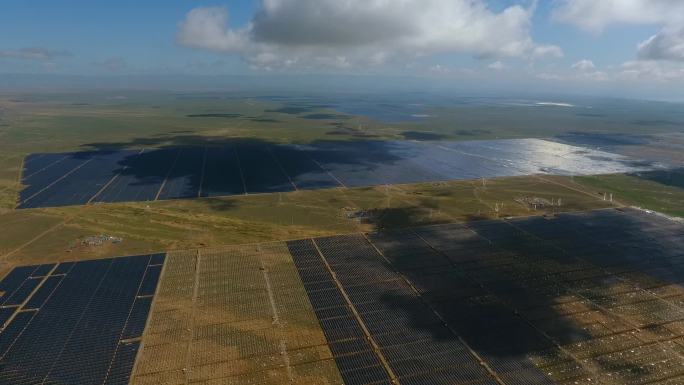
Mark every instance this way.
x=140 y=33
x=557 y=41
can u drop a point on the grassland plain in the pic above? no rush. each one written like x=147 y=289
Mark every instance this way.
x=53 y=234
x=646 y=190
x=77 y=122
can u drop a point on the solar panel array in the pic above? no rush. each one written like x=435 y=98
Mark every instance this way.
x=237 y=315
x=583 y=298
x=358 y=360
x=75 y=323
x=251 y=167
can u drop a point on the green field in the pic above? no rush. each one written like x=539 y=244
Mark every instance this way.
x=657 y=191
x=184 y=224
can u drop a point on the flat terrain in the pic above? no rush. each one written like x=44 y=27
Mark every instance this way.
x=659 y=191
x=514 y=278
x=55 y=234
x=129 y=122
x=568 y=300
x=58 y=123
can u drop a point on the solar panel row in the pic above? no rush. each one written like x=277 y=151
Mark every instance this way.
x=13 y=281
x=5 y=314
x=120 y=370
x=234 y=315
x=353 y=353
x=525 y=297
x=70 y=327
x=566 y=278
x=139 y=177
x=581 y=297
x=397 y=318
x=250 y=167
x=44 y=292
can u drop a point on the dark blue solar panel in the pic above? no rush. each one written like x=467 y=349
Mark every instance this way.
x=39 y=298
x=63 y=268
x=5 y=314
x=99 y=328
x=79 y=186
x=302 y=169
x=23 y=292
x=12 y=332
x=392 y=312
x=36 y=163
x=261 y=172
x=139 y=176
x=122 y=365
x=33 y=158
x=36 y=355
x=184 y=179
x=187 y=172
x=74 y=336
x=149 y=283
x=157 y=259
x=138 y=318
x=14 y=280
x=352 y=352
x=37 y=182
x=43 y=270
x=222 y=175
x=369 y=163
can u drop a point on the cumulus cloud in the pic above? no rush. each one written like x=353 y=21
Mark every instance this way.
x=651 y=70
x=584 y=65
x=33 y=53
x=343 y=34
x=667 y=44
x=207 y=28
x=658 y=55
x=595 y=15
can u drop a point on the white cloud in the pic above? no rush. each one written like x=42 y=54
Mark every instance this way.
x=207 y=28
x=652 y=70
x=497 y=65
x=349 y=33
x=595 y=15
x=547 y=51
x=584 y=65
x=667 y=44
x=34 y=53
x=658 y=55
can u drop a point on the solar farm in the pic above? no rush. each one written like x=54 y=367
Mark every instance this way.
x=249 y=167
x=75 y=323
x=172 y=239
x=591 y=297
